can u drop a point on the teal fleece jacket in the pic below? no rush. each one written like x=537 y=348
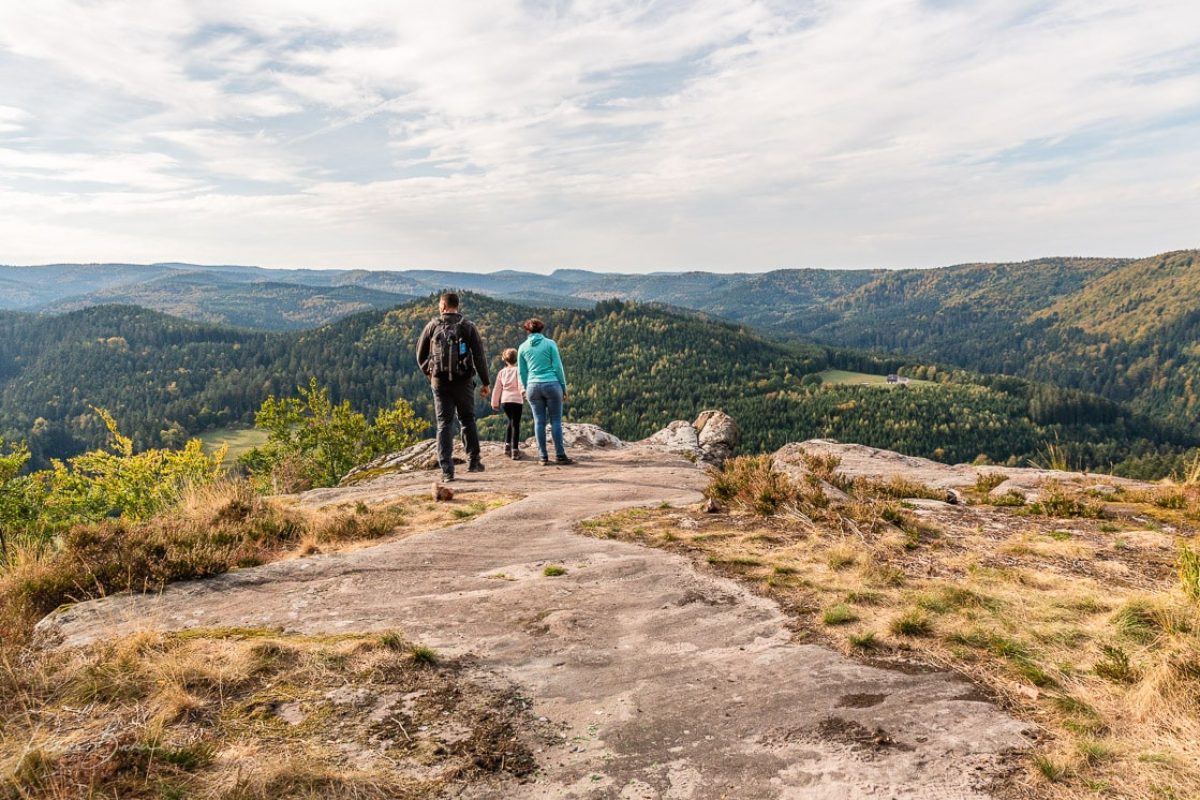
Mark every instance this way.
x=539 y=361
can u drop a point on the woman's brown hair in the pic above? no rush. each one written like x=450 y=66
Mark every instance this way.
x=534 y=325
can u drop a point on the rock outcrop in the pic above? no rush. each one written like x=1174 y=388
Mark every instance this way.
x=711 y=439
x=860 y=461
x=627 y=650
x=421 y=456
x=582 y=436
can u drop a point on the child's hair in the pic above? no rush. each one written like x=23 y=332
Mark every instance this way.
x=509 y=355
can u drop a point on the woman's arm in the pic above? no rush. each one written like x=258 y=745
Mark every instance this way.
x=558 y=368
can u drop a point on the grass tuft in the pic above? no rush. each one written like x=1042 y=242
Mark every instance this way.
x=425 y=656
x=864 y=641
x=1114 y=665
x=913 y=622
x=1050 y=769
x=1188 y=566
x=841 y=614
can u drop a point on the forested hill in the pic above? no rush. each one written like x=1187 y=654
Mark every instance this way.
x=632 y=368
x=1127 y=330
x=1124 y=329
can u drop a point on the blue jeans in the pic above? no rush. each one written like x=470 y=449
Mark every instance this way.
x=546 y=400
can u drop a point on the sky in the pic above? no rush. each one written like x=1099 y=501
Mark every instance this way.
x=727 y=135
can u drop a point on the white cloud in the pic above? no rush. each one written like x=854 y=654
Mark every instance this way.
x=725 y=134
x=12 y=119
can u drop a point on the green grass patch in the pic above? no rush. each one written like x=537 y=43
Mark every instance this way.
x=913 y=622
x=864 y=641
x=239 y=441
x=842 y=377
x=841 y=614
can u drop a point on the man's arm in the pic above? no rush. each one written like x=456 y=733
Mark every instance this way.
x=477 y=352
x=423 y=348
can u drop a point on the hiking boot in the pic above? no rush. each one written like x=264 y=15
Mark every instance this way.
x=545 y=461
x=508 y=450
x=564 y=460
x=476 y=467
x=447 y=477
x=516 y=455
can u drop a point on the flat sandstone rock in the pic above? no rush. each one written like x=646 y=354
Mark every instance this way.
x=664 y=681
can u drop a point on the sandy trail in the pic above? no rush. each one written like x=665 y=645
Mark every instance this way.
x=669 y=683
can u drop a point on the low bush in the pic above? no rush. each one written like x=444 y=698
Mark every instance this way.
x=751 y=483
x=313 y=441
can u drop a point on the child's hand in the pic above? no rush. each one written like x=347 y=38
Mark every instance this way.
x=495 y=407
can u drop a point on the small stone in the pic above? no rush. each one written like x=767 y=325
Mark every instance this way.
x=442 y=494
x=711 y=506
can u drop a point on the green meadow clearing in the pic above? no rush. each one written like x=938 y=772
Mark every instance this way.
x=847 y=378
x=240 y=440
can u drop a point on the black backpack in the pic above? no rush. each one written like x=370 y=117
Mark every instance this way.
x=449 y=352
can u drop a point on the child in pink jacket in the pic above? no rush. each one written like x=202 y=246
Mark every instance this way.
x=509 y=393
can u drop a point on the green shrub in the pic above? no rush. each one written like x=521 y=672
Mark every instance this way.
x=312 y=441
x=113 y=483
x=1114 y=665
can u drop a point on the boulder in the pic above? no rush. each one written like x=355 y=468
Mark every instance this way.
x=789 y=460
x=711 y=439
x=421 y=456
x=581 y=436
x=718 y=434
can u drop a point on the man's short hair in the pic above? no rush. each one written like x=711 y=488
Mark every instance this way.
x=449 y=299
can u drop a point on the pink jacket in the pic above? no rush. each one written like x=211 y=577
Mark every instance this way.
x=508 y=388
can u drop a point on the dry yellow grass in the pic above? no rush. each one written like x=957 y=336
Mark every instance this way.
x=251 y=714
x=1077 y=624
x=195 y=714
x=222 y=527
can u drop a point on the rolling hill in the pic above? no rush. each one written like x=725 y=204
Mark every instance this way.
x=632 y=367
x=1127 y=330
x=213 y=297
x=1124 y=329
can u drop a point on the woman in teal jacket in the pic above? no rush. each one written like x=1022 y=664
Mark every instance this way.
x=545 y=385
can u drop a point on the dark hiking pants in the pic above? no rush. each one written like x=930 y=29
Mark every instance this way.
x=512 y=436
x=451 y=399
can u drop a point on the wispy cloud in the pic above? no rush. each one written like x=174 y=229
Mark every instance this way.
x=726 y=134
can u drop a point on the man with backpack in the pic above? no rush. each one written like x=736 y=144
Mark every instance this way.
x=451 y=353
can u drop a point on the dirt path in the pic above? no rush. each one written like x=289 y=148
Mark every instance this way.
x=668 y=683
